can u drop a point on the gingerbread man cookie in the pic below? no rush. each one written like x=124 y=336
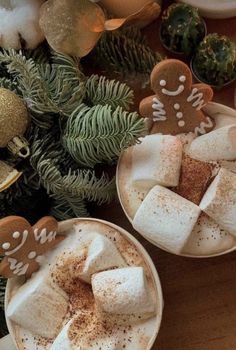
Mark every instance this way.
x=23 y=246
x=176 y=106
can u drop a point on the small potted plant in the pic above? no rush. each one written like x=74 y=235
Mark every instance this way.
x=182 y=29
x=215 y=60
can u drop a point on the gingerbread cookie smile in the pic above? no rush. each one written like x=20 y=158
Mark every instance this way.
x=176 y=106
x=180 y=89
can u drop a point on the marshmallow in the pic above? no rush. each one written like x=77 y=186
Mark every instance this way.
x=219 y=201
x=122 y=291
x=39 y=307
x=219 y=144
x=71 y=337
x=157 y=160
x=102 y=255
x=228 y=164
x=166 y=218
x=62 y=341
x=208 y=238
x=77 y=335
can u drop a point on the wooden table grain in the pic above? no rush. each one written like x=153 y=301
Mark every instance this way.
x=199 y=294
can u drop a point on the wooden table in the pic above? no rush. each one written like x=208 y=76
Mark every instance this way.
x=199 y=294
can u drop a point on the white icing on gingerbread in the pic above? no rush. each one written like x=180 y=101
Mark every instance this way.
x=32 y=255
x=201 y=129
x=159 y=111
x=6 y=245
x=179 y=115
x=196 y=98
x=173 y=93
x=181 y=123
x=43 y=236
x=18 y=268
x=163 y=82
x=176 y=106
x=16 y=234
x=24 y=237
x=40 y=259
x=182 y=78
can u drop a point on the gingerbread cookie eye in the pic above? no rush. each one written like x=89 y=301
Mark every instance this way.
x=16 y=235
x=182 y=78
x=162 y=82
x=6 y=246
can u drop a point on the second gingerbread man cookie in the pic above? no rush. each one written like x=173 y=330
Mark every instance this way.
x=176 y=106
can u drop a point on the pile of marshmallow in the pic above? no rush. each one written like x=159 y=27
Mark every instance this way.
x=171 y=221
x=120 y=291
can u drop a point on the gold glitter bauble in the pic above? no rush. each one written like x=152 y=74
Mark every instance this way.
x=13 y=116
x=13 y=123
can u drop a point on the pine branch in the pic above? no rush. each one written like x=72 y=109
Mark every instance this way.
x=126 y=51
x=60 y=209
x=46 y=88
x=70 y=190
x=95 y=135
x=8 y=84
x=101 y=90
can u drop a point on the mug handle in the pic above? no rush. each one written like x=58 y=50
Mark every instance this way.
x=6 y=343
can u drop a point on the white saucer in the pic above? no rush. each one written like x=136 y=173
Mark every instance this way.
x=214 y=8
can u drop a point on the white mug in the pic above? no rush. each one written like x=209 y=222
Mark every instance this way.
x=6 y=343
x=15 y=343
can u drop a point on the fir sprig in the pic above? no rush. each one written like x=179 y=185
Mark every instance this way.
x=46 y=88
x=126 y=51
x=61 y=210
x=8 y=84
x=100 y=90
x=97 y=134
x=71 y=189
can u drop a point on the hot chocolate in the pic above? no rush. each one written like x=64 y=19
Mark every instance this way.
x=178 y=191
x=95 y=291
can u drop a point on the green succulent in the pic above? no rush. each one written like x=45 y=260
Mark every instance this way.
x=182 y=28
x=215 y=60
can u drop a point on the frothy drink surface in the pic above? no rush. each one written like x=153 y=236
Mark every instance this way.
x=108 y=293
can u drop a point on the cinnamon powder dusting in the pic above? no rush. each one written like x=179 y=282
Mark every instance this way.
x=195 y=177
x=90 y=324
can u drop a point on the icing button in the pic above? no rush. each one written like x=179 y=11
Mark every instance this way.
x=176 y=106
x=32 y=255
x=181 y=123
x=179 y=115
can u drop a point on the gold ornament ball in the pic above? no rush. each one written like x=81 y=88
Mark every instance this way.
x=13 y=116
